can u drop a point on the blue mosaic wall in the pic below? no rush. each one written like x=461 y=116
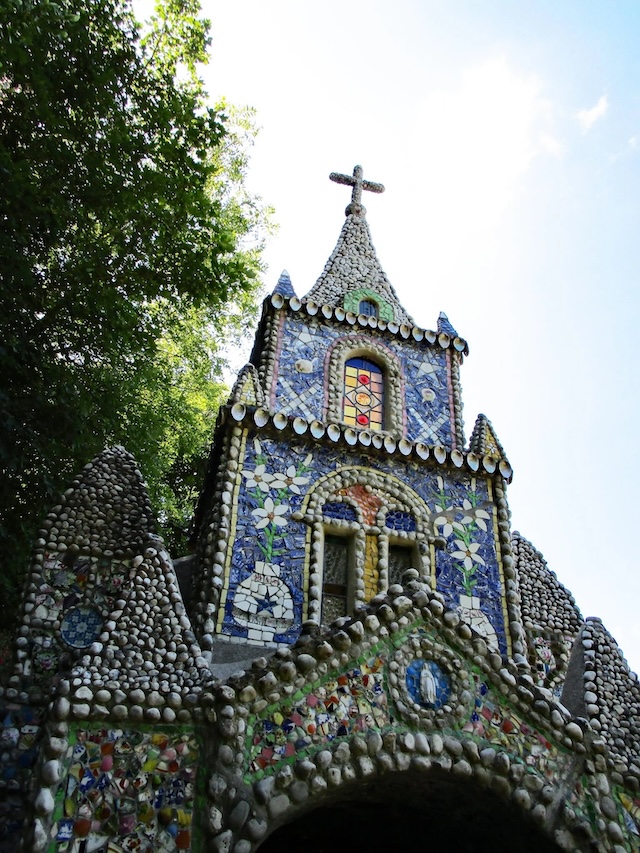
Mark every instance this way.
x=264 y=598
x=300 y=388
x=264 y=601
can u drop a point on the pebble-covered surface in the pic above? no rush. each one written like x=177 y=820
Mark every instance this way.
x=610 y=699
x=352 y=266
x=404 y=686
x=551 y=619
x=473 y=665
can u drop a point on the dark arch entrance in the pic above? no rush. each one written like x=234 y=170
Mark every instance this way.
x=409 y=812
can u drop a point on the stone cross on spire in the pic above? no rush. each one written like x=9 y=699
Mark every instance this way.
x=358 y=183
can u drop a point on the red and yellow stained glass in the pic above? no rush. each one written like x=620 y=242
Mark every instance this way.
x=363 y=401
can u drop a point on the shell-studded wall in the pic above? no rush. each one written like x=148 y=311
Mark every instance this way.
x=283 y=500
x=307 y=378
x=550 y=616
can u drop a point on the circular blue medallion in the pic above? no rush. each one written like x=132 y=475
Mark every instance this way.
x=427 y=684
x=81 y=626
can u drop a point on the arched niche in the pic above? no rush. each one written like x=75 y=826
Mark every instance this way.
x=358 y=513
x=412 y=811
x=361 y=346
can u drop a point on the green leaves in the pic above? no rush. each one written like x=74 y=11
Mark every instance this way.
x=129 y=248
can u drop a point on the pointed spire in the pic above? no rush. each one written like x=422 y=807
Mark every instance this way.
x=353 y=272
x=445 y=326
x=484 y=441
x=247 y=388
x=284 y=286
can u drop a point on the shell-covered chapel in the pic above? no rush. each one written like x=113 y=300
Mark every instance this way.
x=360 y=652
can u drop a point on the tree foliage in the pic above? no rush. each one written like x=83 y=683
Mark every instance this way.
x=124 y=249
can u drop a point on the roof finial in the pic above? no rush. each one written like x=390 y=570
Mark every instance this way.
x=356 y=181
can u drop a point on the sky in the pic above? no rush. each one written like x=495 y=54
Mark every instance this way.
x=507 y=135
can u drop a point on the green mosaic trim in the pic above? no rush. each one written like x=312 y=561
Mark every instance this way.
x=628 y=807
x=556 y=752
x=353 y=298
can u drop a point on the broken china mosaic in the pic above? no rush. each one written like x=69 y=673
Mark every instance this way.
x=351 y=702
x=264 y=597
x=355 y=701
x=467 y=570
x=301 y=380
x=19 y=749
x=75 y=596
x=127 y=792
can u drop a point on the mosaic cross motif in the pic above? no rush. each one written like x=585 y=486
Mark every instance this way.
x=358 y=183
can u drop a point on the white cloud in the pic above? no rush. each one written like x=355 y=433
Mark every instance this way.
x=474 y=144
x=588 y=118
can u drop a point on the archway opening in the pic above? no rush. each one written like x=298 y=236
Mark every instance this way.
x=408 y=812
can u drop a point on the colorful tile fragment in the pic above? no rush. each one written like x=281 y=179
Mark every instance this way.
x=354 y=701
x=128 y=791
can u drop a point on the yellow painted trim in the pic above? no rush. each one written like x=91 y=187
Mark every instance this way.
x=232 y=534
x=503 y=587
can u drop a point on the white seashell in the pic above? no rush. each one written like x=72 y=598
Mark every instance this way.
x=444 y=340
x=505 y=469
x=316 y=429
x=350 y=317
x=457 y=458
x=373 y=322
x=405 y=446
x=294 y=303
x=473 y=461
x=377 y=440
x=417 y=333
x=277 y=300
x=440 y=453
x=333 y=431
x=364 y=437
x=382 y=325
x=422 y=450
x=389 y=444
x=350 y=436
x=363 y=319
x=339 y=313
x=312 y=307
x=490 y=463
x=393 y=327
x=280 y=420
x=261 y=417
x=300 y=425
x=238 y=411
x=405 y=330
x=430 y=336
x=459 y=344
x=327 y=310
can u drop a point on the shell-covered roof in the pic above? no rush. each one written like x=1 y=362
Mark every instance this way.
x=353 y=270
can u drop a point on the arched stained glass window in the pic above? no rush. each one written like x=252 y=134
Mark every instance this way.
x=363 y=400
x=368 y=307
